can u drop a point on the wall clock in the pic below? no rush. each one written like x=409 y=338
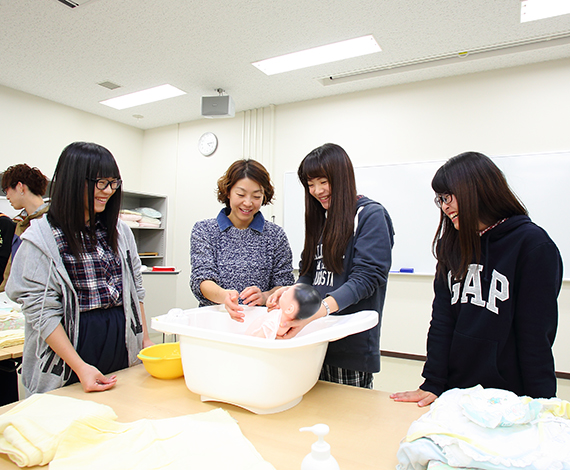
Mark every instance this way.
x=207 y=144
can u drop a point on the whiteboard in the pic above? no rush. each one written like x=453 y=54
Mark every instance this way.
x=540 y=180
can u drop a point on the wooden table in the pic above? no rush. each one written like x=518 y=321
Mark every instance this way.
x=11 y=352
x=366 y=425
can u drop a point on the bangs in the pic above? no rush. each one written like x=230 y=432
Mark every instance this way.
x=439 y=182
x=311 y=168
x=104 y=166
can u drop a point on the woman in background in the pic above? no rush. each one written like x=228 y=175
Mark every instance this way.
x=498 y=276
x=239 y=257
x=24 y=188
x=346 y=257
x=77 y=276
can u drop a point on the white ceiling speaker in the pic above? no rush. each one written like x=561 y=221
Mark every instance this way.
x=221 y=106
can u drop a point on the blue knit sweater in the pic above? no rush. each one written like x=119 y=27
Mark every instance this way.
x=258 y=256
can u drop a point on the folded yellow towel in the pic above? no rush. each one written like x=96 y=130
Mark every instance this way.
x=211 y=440
x=11 y=337
x=31 y=431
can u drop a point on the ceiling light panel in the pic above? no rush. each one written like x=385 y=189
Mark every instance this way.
x=319 y=55
x=532 y=10
x=151 y=95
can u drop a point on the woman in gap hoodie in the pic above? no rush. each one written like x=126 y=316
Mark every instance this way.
x=498 y=277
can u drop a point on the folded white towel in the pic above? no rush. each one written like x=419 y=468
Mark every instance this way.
x=149 y=220
x=133 y=217
x=11 y=337
x=31 y=431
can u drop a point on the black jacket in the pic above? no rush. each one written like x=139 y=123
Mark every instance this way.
x=496 y=328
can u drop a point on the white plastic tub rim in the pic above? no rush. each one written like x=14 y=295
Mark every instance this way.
x=214 y=323
x=264 y=376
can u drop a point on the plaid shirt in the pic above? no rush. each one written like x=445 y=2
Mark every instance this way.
x=96 y=275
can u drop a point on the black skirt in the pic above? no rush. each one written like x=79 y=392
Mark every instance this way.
x=101 y=340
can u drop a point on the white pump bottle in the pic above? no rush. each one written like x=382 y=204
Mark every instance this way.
x=320 y=457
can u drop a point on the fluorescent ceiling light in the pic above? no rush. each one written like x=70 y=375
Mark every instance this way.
x=319 y=55
x=151 y=95
x=539 y=9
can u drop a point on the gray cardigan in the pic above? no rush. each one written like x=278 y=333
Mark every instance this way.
x=40 y=283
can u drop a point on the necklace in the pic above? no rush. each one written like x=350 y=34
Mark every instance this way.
x=491 y=227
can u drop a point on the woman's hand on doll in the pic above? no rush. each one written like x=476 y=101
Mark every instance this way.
x=272 y=302
x=419 y=396
x=231 y=302
x=252 y=296
x=293 y=327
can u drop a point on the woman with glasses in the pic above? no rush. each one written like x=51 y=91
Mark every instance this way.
x=346 y=257
x=498 y=276
x=24 y=187
x=77 y=276
x=239 y=258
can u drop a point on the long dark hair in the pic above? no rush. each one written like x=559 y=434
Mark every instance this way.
x=328 y=161
x=79 y=165
x=483 y=195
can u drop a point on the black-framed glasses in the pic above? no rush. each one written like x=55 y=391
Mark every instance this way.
x=102 y=184
x=4 y=191
x=441 y=199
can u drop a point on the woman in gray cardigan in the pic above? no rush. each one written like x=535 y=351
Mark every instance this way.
x=77 y=276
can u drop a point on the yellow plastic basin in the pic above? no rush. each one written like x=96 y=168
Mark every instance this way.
x=162 y=360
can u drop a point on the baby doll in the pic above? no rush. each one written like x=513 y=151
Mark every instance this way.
x=299 y=302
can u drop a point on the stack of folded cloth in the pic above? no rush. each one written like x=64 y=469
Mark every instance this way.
x=489 y=429
x=141 y=217
x=31 y=432
x=11 y=322
x=69 y=434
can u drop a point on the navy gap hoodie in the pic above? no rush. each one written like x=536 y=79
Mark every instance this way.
x=497 y=326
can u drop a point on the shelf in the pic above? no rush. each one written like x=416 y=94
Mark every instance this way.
x=149 y=239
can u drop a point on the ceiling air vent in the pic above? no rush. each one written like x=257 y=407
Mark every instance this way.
x=73 y=3
x=109 y=85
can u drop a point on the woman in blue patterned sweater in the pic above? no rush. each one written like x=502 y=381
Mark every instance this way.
x=239 y=258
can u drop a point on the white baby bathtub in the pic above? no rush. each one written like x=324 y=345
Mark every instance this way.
x=264 y=376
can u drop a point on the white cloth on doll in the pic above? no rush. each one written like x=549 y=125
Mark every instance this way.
x=31 y=431
x=489 y=429
x=266 y=325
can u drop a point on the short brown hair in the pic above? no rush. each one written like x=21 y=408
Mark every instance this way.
x=241 y=169
x=33 y=178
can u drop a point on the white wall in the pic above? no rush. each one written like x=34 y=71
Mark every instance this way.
x=512 y=111
x=35 y=131
x=172 y=165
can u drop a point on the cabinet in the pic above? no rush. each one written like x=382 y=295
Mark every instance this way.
x=149 y=239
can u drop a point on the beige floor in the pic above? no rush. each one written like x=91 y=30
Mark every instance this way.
x=399 y=375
